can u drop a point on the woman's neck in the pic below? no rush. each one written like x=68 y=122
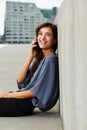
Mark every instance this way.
x=46 y=53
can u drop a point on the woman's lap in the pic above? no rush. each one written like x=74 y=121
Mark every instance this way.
x=15 y=107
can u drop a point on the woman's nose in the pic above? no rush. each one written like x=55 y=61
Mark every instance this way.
x=43 y=36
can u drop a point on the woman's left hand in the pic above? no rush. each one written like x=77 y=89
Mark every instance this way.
x=4 y=94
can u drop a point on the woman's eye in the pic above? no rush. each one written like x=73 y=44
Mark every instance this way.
x=48 y=34
x=39 y=33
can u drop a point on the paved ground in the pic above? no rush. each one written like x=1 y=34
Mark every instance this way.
x=12 y=58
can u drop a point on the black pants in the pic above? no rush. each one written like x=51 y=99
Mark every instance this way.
x=12 y=107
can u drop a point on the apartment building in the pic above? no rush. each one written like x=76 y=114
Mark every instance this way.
x=21 y=19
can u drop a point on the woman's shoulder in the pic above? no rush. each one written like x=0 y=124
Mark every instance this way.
x=51 y=57
x=51 y=60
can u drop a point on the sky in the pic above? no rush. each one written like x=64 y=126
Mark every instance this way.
x=45 y=4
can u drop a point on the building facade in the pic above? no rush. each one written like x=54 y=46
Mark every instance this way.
x=21 y=20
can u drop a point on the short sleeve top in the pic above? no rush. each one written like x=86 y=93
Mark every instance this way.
x=44 y=83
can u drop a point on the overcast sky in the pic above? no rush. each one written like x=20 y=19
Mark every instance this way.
x=45 y=4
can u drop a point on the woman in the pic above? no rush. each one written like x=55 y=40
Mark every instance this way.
x=38 y=78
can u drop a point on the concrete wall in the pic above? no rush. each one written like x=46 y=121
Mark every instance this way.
x=72 y=26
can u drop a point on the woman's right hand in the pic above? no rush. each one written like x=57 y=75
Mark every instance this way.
x=32 y=48
x=23 y=72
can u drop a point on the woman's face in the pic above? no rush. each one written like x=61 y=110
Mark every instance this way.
x=45 y=38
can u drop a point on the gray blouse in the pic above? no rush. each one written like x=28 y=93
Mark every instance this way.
x=44 y=83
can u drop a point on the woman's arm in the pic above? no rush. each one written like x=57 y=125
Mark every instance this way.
x=23 y=72
x=19 y=95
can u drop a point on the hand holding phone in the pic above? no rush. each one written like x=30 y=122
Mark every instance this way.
x=36 y=43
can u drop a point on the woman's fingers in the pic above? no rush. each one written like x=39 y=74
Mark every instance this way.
x=4 y=94
x=34 y=41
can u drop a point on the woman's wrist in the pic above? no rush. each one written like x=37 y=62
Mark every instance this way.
x=28 y=61
x=30 y=57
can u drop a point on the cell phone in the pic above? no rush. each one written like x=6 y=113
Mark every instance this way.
x=36 y=43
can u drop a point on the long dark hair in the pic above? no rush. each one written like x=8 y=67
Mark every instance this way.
x=39 y=54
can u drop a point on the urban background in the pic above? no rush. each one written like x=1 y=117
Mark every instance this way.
x=21 y=19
